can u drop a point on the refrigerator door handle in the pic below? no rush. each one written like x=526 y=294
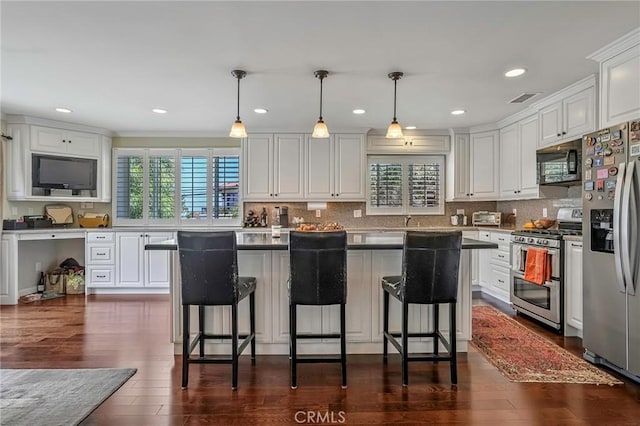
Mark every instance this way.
x=633 y=231
x=627 y=227
x=617 y=243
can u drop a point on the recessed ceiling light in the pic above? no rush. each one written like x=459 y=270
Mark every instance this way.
x=458 y=112
x=359 y=111
x=261 y=110
x=515 y=72
x=159 y=111
x=411 y=127
x=65 y=110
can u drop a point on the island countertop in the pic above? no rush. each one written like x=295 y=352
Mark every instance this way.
x=355 y=241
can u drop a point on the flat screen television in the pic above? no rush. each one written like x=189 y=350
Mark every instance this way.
x=56 y=172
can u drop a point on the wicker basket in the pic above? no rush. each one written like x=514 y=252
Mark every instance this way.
x=75 y=282
x=94 y=222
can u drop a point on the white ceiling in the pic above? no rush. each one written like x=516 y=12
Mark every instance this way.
x=112 y=62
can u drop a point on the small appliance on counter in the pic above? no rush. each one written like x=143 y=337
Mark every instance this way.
x=282 y=216
x=93 y=220
x=59 y=214
x=485 y=218
x=13 y=224
x=38 y=221
x=459 y=220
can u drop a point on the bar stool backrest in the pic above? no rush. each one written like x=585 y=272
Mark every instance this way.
x=318 y=268
x=430 y=264
x=208 y=266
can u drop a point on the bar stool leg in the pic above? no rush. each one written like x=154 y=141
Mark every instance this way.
x=234 y=346
x=185 y=345
x=405 y=343
x=452 y=343
x=385 y=342
x=343 y=345
x=436 y=327
x=292 y=337
x=252 y=325
x=201 y=329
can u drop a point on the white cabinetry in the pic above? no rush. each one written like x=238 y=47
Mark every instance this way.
x=619 y=80
x=335 y=168
x=518 y=143
x=100 y=257
x=573 y=287
x=272 y=167
x=484 y=166
x=61 y=141
x=493 y=274
x=410 y=144
x=137 y=267
x=568 y=114
x=458 y=181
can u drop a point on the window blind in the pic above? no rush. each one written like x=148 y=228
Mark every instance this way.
x=424 y=184
x=129 y=186
x=162 y=187
x=193 y=187
x=385 y=184
x=225 y=186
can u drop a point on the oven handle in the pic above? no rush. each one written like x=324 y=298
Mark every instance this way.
x=549 y=284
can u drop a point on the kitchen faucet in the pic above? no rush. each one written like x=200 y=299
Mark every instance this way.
x=406 y=221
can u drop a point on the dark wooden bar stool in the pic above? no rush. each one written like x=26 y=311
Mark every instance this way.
x=430 y=263
x=317 y=276
x=209 y=270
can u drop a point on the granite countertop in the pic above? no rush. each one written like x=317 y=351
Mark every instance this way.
x=355 y=241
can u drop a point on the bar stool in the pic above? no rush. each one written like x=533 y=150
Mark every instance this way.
x=209 y=270
x=317 y=276
x=430 y=262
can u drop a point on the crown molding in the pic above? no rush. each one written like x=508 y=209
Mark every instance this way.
x=616 y=47
x=24 y=119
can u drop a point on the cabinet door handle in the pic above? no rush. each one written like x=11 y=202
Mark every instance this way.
x=501 y=281
x=500 y=239
x=501 y=256
x=101 y=254
x=53 y=235
x=101 y=276
x=63 y=141
x=270 y=195
x=100 y=238
x=564 y=133
x=141 y=235
x=558 y=134
x=69 y=141
x=337 y=195
x=332 y=195
x=276 y=195
x=576 y=245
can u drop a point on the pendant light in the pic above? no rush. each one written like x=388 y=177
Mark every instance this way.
x=320 y=130
x=395 y=130
x=237 y=129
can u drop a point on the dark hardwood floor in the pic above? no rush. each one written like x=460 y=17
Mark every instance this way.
x=133 y=331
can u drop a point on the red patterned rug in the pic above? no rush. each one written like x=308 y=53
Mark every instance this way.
x=523 y=356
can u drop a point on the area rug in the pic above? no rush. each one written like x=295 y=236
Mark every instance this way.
x=56 y=397
x=523 y=356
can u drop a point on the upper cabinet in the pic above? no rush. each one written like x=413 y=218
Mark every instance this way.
x=60 y=141
x=484 y=166
x=457 y=170
x=272 y=167
x=335 y=168
x=34 y=136
x=518 y=172
x=410 y=144
x=619 y=80
x=568 y=118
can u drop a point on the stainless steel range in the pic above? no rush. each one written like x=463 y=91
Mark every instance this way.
x=543 y=301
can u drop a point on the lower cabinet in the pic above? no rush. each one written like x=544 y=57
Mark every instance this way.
x=573 y=288
x=493 y=265
x=136 y=267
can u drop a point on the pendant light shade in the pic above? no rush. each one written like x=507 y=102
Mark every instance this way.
x=237 y=129
x=395 y=130
x=320 y=130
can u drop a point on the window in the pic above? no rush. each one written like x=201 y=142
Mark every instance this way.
x=192 y=186
x=399 y=184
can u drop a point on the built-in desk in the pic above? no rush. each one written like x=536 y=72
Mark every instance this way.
x=371 y=255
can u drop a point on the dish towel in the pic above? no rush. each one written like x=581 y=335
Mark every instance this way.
x=516 y=257
x=537 y=268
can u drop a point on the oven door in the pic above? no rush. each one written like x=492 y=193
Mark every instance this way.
x=541 y=300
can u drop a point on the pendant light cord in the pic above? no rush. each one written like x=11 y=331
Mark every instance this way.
x=321 y=98
x=395 y=88
x=238 y=115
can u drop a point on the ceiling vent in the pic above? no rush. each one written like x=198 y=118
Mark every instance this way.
x=523 y=98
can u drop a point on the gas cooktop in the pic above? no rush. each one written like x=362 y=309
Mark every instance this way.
x=548 y=232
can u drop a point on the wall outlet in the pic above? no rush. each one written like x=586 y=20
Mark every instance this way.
x=515 y=212
x=38 y=267
x=357 y=213
x=459 y=211
x=544 y=212
x=318 y=213
x=87 y=205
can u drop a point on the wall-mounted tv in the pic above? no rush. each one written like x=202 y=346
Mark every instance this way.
x=56 y=172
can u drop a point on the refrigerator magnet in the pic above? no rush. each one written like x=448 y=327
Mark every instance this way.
x=588 y=186
x=603 y=173
x=610 y=184
x=598 y=146
x=591 y=141
x=587 y=174
x=616 y=142
x=588 y=162
x=588 y=196
x=609 y=161
x=616 y=134
x=600 y=186
x=605 y=138
x=598 y=162
x=613 y=171
x=590 y=150
x=611 y=194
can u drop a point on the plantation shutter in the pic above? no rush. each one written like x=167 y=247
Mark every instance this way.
x=424 y=179
x=193 y=187
x=129 y=186
x=162 y=187
x=225 y=186
x=386 y=186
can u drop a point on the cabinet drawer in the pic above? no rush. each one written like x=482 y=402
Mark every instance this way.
x=100 y=237
x=501 y=238
x=484 y=235
x=501 y=280
x=500 y=257
x=100 y=276
x=101 y=254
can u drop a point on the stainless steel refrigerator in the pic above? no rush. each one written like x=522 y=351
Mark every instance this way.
x=611 y=259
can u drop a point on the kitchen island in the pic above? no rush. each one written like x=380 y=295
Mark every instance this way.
x=370 y=256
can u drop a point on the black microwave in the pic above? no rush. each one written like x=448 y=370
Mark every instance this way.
x=560 y=164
